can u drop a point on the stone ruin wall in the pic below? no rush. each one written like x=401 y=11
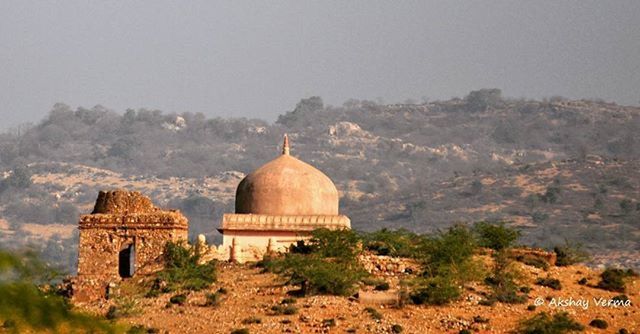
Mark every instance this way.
x=382 y=265
x=115 y=224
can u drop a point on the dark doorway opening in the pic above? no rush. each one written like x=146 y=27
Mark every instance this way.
x=127 y=261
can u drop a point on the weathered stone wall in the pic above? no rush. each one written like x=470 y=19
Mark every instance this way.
x=387 y=265
x=104 y=235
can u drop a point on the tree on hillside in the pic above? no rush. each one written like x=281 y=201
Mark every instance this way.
x=483 y=99
x=298 y=115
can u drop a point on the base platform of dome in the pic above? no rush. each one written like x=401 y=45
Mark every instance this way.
x=299 y=223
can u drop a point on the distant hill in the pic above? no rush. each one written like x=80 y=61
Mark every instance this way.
x=555 y=168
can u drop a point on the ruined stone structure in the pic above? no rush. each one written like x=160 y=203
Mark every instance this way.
x=278 y=204
x=123 y=237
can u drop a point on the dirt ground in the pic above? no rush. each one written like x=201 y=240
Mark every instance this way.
x=251 y=293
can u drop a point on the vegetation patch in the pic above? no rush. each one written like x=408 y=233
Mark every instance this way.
x=384 y=286
x=436 y=291
x=448 y=264
x=212 y=299
x=599 y=323
x=326 y=264
x=288 y=301
x=549 y=282
x=284 y=309
x=25 y=307
x=620 y=298
x=496 y=236
x=178 y=299
x=397 y=243
x=124 y=307
x=374 y=313
x=183 y=270
x=543 y=323
x=240 y=331
x=570 y=253
x=397 y=329
x=251 y=320
x=533 y=260
x=613 y=279
x=504 y=275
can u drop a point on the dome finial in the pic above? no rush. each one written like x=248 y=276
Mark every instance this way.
x=285 y=145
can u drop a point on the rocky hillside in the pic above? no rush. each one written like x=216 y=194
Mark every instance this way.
x=556 y=168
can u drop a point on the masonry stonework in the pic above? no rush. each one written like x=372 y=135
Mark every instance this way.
x=124 y=237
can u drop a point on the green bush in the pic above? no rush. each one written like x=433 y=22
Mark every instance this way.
x=539 y=217
x=251 y=320
x=212 y=299
x=490 y=301
x=288 y=301
x=326 y=264
x=24 y=307
x=178 y=299
x=183 y=271
x=450 y=254
x=621 y=298
x=626 y=206
x=533 y=260
x=397 y=329
x=543 y=323
x=112 y=312
x=140 y=329
x=614 y=279
x=325 y=243
x=599 y=323
x=286 y=309
x=123 y=307
x=569 y=254
x=372 y=281
x=240 y=331
x=319 y=276
x=551 y=195
x=398 y=243
x=384 y=286
x=503 y=281
x=549 y=282
x=375 y=314
x=436 y=291
x=495 y=235
x=448 y=262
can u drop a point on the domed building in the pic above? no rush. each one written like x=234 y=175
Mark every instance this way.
x=277 y=205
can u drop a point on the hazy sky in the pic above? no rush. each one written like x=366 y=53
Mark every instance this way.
x=258 y=58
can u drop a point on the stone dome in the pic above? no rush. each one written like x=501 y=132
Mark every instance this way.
x=287 y=186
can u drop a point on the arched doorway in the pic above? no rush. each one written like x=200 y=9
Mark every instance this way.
x=127 y=261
